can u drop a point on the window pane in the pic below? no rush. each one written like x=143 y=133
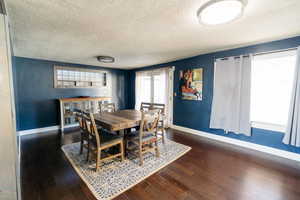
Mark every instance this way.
x=59 y=72
x=69 y=78
x=160 y=88
x=146 y=89
x=272 y=79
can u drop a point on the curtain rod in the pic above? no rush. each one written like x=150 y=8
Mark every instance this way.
x=155 y=69
x=261 y=53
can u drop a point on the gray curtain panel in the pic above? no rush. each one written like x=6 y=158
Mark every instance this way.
x=292 y=134
x=231 y=95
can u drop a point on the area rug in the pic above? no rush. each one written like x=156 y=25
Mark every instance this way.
x=116 y=177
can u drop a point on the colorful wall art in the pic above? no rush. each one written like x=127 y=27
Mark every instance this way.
x=191 y=84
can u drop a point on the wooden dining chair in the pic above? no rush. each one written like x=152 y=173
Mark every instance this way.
x=84 y=134
x=161 y=130
x=145 y=139
x=107 y=107
x=161 y=125
x=101 y=140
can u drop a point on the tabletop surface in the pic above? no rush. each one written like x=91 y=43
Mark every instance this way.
x=119 y=120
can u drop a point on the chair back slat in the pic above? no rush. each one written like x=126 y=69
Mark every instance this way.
x=160 y=106
x=153 y=106
x=145 y=106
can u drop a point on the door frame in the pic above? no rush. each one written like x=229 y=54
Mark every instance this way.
x=170 y=98
x=10 y=140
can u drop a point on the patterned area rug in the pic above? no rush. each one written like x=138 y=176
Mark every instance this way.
x=116 y=177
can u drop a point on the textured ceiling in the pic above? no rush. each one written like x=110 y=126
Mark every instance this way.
x=139 y=32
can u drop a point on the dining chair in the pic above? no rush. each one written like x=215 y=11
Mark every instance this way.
x=161 y=122
x=101 y=141
x=145 y=139
x=161 y=125
x=84 y=135
x=107 y=107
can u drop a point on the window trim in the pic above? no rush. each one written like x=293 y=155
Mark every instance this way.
x=268 y=126
x=263 y=56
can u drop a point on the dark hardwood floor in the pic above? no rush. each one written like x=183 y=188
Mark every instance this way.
x=210 y=171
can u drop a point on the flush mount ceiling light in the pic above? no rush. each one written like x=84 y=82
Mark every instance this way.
x=217 y=12
x=106 y=59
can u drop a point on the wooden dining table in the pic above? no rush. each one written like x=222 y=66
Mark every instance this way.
x=119 y=120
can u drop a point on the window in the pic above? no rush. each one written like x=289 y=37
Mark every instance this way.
x=271 y=87
x=155 y=86
x=160 y=92
x=145 y=92
x=67 y=77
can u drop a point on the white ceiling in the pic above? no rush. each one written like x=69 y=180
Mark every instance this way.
x=139 y=32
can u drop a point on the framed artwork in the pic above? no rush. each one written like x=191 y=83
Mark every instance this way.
x=191 y=84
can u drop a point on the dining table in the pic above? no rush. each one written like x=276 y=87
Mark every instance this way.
x=119 y=120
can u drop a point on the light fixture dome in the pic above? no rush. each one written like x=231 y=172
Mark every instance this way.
x=217 y=12
x=106 y=59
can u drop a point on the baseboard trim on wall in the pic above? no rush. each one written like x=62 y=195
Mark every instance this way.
x=44 y=129
x=249 y=145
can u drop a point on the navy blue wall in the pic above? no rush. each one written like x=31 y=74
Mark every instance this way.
x=196 y=114
x=36 y=104
x=36 y=97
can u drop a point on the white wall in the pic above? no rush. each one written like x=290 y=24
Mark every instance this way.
x=9 y=165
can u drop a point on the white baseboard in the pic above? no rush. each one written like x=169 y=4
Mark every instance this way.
x=44 y=129
x=249 y=145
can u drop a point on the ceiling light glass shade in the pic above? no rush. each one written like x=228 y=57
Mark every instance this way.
x=106 y=59
x=221 y=11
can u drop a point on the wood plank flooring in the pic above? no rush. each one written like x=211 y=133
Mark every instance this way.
x=210 y=171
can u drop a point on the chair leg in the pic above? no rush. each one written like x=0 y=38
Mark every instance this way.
x=88 y=151
x=98 y=160
x=122 y=151
x=141 y=155
x=163 y=132
x=163 y=135
x=156 y=149
x=81 y=146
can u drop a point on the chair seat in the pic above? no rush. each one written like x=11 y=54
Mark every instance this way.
x=147 y=136
x=107 y=138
